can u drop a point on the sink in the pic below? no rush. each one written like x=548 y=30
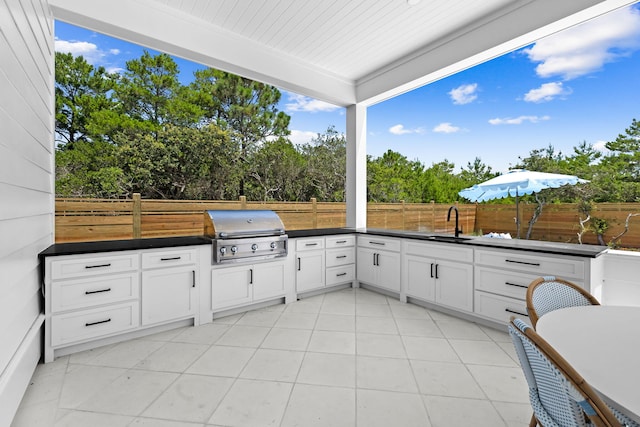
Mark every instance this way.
x=447 y=238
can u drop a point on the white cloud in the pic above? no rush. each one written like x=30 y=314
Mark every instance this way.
x=400 y=130
x=114 y=70
x=299 y=137
x=464 y=94
x=585 y=48
x=546 y=92
x=600 y=146
x=89 y=51
x=446 y=127
x=306 y=104
x=518 y=120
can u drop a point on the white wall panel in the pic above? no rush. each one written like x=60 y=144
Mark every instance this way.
x=26 y=186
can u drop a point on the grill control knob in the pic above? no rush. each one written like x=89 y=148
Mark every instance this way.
x=223 y=250
x=254 y=247
x=273 y=245
x=234 y=249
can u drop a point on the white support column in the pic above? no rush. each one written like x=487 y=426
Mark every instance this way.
x=357 y=166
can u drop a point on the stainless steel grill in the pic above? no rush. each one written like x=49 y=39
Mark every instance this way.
x=245 y=235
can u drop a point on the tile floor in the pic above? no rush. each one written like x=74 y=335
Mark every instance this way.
x=347 y=358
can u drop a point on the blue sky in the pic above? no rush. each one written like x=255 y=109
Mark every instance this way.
x=578 y=85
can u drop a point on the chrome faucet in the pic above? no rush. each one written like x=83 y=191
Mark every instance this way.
x=457 y=230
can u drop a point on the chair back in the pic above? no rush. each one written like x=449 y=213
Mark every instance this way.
x=550 y=293
x=560 y=397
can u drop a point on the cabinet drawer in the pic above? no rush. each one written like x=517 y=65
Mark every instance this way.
x=499 y=308
x=340 y=241
x=447 y=251
x=92 y=266
x=509 y=283
x=541 y=265
x=89 y=324
x=309 y=244
x=83 y=293
x=340 y=274
x=171 y=258
x=379 y=243
x=341 y=257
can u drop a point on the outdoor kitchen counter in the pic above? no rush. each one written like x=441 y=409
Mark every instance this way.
x=77 y=248
x=588 y=251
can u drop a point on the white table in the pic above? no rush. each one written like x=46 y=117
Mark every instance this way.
x=603 y=344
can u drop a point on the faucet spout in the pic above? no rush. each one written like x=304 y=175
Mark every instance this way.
x=457 y=230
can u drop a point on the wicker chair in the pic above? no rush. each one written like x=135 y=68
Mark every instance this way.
x=560 y=397
x=550 y=293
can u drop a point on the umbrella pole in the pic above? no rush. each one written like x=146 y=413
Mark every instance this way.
x=517 y=217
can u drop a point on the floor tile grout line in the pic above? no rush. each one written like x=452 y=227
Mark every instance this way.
x=496 y=339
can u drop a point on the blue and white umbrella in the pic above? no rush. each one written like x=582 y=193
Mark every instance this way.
x=517 y=182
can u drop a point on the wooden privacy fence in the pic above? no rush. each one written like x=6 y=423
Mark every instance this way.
x=79 y=220
x=561 y=222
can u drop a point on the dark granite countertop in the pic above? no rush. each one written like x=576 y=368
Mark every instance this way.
x=122 y=245
x=590 y=251
x=320 y=232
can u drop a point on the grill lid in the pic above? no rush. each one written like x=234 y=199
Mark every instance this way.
x=231 y=224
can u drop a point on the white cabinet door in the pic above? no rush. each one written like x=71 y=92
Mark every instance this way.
x=310 y=270
x=454 y=285
x=366 y=271
x=268 y=280
x=168 y=294
x=419 y=277
x=230 y=286
x=379 y=268
x=388 y=266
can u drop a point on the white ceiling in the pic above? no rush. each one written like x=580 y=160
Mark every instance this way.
x=339 y=51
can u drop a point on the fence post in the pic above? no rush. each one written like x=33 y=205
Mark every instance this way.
x=433 y=216
x=243 y=202
x=137 y=216
x=403 y=213
x=314 y=212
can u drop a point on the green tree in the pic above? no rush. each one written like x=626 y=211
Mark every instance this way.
x=618 y=175
x=277 y=172
x=326 y=166
x=150 y=95
x=177 y=163
x=393 y=177
x=476 y=172
x=440 y=184
x=542 y=160
x=81 y=91
x=246 y=109
x=90 y=169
